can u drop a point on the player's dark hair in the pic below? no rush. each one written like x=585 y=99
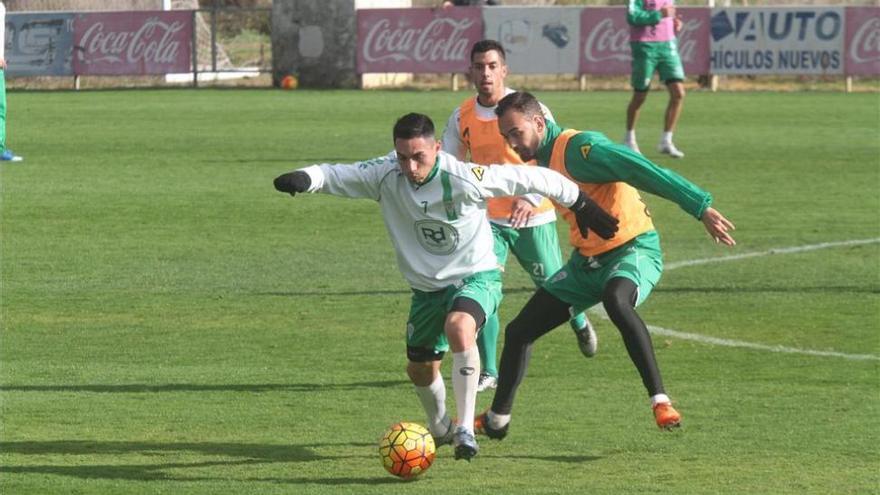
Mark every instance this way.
x=519 y=101
x=413 y=125
x=484 y=46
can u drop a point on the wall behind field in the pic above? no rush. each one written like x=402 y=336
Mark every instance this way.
x=80 y=5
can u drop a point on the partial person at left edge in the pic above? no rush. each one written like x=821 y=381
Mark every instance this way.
x=6 y=155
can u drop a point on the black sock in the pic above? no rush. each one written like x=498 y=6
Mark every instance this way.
x=619 y=299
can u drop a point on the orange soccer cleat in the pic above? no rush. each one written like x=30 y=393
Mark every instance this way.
x=482 y=427
x=666 y=415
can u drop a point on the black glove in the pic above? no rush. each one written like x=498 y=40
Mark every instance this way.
x=293 y=182
x=589 y=215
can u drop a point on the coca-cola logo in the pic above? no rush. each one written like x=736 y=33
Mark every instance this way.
x=441 y=40
x=865 y=44
x=687 y=44
x=153 y=42
x=607 y=42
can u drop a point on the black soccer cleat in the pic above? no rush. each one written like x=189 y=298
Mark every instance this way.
x=482 y=426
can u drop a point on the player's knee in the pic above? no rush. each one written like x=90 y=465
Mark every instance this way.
x=639 y=97
x=619 y=296
x=676 y=91
x=516 y=332
x=420 y=373
x=458 y=322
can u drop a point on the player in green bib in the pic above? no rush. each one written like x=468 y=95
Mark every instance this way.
x=653 y=26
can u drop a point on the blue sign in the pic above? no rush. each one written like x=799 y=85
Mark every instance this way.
x=39 y=44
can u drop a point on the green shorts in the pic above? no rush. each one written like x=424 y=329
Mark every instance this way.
x=425 y=334
x=650 y=56
x=581 y=281
x=536 y=249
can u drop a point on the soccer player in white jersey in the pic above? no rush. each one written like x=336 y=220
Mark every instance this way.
x=434 y=208
x=524 y=225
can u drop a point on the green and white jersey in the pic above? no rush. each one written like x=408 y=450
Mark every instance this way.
x=439 y=228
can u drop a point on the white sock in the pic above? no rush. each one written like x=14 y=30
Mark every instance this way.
x=498 y=421
x=465 y=375
x=433 y=399
x=660 y=399
x=630 y=136
x=667 y=138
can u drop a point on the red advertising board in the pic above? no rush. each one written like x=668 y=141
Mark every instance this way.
x=862 y=41
x=132 y=43
x=605 y=41
x=417 y=40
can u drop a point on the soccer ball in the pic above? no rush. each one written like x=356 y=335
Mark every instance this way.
x=407 y=450
x=289 y=82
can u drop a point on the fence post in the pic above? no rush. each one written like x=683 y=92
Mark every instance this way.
x=214 y=38
x=195 y=50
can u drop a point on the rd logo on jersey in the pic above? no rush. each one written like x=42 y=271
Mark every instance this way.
x=436 y=237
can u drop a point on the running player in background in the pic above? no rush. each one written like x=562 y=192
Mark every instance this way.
x=525 y=225
x=433 y=206
x=653 y=26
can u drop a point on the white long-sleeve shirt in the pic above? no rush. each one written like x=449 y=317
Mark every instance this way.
x=2 y=30
x=439 y=229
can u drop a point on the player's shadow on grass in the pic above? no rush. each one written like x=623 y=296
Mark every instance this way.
x=196 y=387
x=241 y=454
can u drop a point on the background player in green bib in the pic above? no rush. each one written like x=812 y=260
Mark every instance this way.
x=524 y=225
x=653 y=26
x=434 y=208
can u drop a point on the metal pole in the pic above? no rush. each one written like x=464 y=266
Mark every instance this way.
x=195 y=50
x=214 y=38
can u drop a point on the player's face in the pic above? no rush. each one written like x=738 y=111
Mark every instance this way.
x=416 y=157
x=522 y=133
x=487 y=72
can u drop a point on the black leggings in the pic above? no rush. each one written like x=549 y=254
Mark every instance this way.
x=544 y=312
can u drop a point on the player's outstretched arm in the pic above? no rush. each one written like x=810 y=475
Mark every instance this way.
x=293 y=182
x=590 y=215
x=718 y=226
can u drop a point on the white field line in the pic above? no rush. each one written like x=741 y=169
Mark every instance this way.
x=787 y=250
x=750 y=345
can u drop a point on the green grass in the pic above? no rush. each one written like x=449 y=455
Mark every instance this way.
x=171 y=324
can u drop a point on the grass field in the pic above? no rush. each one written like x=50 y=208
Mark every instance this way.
x=171 y=324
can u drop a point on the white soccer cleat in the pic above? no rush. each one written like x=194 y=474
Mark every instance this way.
x=633 y=146
x=587 y=340
x=670 y=149
x=446 y=438
x=486 y=382
x=465 y=444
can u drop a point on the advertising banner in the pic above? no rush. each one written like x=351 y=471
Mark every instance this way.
x=605 y=41
x=39 y=44
x=537 y=40
x=793 y=40
x=862 y=41
x=417 y=40
x=134 y=43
